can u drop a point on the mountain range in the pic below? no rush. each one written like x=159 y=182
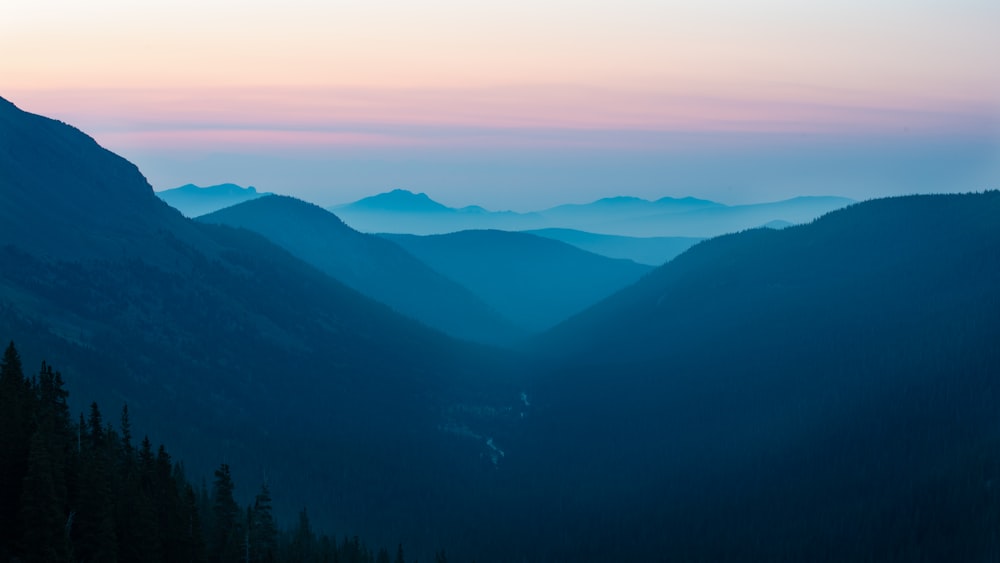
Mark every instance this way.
x=371 y=265
x=535 y=281
x=232 y=347
x=652 y=251
x=403 y=212
x=822 y=392
x=192 y=200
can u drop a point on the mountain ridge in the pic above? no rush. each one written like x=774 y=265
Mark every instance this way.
x=372 y=265
x=403 y=212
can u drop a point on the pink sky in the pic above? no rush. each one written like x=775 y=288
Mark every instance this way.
x=174 y=83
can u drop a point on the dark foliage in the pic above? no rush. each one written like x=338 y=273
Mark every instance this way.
x=87 y=495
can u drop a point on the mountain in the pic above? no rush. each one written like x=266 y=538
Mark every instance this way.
x=709 y=221
x=534 y=281
x=371 y=265
x=652 y=251
x=236 y=351
x=194 y=200
x=403 y=212
x=399 y=201
x=826 y=392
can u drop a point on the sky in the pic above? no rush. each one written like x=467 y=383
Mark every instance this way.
x=523 y=105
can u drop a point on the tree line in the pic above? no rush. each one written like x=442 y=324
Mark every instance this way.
x=86 y=491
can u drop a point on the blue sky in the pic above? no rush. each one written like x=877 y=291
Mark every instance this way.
x=522 y=104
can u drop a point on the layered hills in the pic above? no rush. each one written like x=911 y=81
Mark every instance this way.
x=372 y=265
x=194 y=200
x=232 y=348
x=535 y=281
x=823 y=392
x=403 y=212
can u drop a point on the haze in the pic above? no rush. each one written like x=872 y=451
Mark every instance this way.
x=523 y=105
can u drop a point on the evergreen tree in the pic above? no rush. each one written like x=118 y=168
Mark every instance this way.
x=42 y=518
x=383 y=556
x=303 y=546
x=226 y=536
x=16 y=412
x=95 y=536
x=192 y=544
x=134 y=515
x=263 y=531
x=399 y=554
x=44 y=503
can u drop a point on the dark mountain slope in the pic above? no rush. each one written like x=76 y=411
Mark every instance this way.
x=51 y=171
x=372 y=265
x=884 y=253
x=234 y=350
x=826 y=392
x=534 y=281
x=193 y=201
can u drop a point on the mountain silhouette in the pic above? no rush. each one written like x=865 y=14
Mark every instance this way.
x=826 y=379
x=232 y=348
x=372 y=265
x=403 y=212
x=194 y=200
x=823 y=392
x=534 y=281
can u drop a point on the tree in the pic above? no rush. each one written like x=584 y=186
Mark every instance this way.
x=16 y=412
x=42 y=518
x=263 y=534
x=226 y=536
x=95 y=537
x=303 y=546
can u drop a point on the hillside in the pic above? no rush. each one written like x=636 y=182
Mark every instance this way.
x=371 y=265
x=534 y=281
x=823 y=392
x=233 y=349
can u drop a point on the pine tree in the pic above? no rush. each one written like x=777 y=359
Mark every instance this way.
x=16 y=413
x=42 y=518
x=192 y=544
x=399 y=554
x=303 y=546
x=225 y=538
x=44 y=505
x=263 y=531
x=95 y=538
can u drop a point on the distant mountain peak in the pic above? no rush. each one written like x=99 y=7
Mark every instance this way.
x=399 y=200
x=193 y=200
x=220 y=189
